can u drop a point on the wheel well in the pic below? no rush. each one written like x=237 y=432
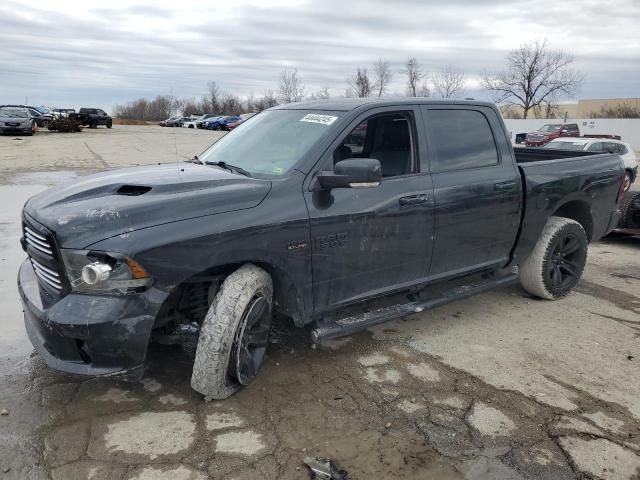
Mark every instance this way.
x=580 y=212
x=189 y=301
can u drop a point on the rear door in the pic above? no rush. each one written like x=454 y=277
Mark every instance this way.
x=477 y=189
x=368 y=241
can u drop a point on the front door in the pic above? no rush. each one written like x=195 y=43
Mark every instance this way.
x=373 y=240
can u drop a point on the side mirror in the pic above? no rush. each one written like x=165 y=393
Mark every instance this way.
x=352 y=173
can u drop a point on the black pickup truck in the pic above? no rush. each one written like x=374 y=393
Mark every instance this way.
x=92 y=117
x=339 y=214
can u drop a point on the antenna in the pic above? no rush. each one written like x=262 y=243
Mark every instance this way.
x=175 y=142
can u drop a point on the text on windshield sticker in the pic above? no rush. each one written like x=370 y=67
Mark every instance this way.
x=315 y=118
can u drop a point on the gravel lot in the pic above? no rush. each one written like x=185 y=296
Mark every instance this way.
x=499 y=386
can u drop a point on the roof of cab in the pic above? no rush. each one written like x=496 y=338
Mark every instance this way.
x=348 y=104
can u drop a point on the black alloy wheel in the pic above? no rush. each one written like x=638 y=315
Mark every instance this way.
x=251 y=340
x=565 y=265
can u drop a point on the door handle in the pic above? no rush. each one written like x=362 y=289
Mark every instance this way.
x=505 y=186
x=414 y=199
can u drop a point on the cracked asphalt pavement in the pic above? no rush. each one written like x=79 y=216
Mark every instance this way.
x=499 y=386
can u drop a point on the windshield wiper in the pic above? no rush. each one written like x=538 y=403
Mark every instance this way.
x=231 y=168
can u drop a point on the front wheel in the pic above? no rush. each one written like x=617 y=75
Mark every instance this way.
x=109 y=124
x=234 y=334
x=557 y=261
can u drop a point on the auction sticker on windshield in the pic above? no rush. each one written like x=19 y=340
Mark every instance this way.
x=315 y=118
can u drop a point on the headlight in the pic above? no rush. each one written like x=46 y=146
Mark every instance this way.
x=104 y=272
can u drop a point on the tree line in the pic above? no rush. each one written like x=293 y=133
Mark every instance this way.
x=534 y=77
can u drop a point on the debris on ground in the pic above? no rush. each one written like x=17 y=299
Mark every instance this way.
x=325 y=469
x=4 y=411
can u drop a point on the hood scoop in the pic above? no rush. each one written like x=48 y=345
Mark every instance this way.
x=133 y=190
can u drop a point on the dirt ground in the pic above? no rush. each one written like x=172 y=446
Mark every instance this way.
x=499 y=386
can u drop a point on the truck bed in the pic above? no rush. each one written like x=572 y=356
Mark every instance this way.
x=536 y=154
x=568 y=183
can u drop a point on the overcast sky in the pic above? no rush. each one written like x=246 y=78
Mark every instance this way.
x=84 y=53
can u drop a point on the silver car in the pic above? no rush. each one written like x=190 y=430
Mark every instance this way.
x=16 y=120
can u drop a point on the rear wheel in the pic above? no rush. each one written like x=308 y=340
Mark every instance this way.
x=630 y=209
x=627 y=181
x=234 y=334
x=556 y=264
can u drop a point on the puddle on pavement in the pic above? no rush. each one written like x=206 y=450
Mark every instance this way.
x=13 y=341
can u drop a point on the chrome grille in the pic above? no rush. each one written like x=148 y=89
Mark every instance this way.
x=48 y=276
x=37 y=241
x=44 y=257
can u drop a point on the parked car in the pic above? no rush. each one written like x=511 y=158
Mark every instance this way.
x=602 y=144
x=549 y=131
x=41 y=117
x=221 y=122
x=190 y=122
x=283 y=215
x=163 y=123
x=232 y=125
x=209 y=116
x=16 y=120
x=92 y=117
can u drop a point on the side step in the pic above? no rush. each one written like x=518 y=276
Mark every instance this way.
x=332 y=328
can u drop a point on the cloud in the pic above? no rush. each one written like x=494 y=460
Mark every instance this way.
x=78 y=54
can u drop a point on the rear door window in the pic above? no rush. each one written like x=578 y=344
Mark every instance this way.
x=461 y=139
x=595 y=147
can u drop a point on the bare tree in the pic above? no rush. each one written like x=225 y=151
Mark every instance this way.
x=424 y=90
x=322 y=94
x=268 y=100
x=291 y=87
x=360 y=84
x=231 y=105
x=382 y=76
x=213 y=97
x=190 y=107
x=534 y=75
x=414 y=75
x=448 y=83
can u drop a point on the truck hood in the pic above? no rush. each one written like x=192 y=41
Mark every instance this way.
x=116 y=202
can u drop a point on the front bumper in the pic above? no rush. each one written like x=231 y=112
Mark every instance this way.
x=6 y=129
x=89 y=334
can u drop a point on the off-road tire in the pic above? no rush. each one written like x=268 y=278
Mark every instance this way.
x=535 y=271
x=211 y=373
x=630 y=217
x=109 y=125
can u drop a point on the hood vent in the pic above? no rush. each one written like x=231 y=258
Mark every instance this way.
x=133 y=190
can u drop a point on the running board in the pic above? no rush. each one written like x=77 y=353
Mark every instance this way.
x=332 y=328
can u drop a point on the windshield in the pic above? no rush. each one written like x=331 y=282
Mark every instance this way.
x=13 y=112
x=549 y=128
x=272 y=142
x=565 y=145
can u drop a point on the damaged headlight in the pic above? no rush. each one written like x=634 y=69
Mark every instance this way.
x=104 y=272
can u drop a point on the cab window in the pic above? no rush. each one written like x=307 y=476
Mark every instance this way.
x=387 y=138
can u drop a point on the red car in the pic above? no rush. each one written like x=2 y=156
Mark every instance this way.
x=550 y=131
x=231 y=126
